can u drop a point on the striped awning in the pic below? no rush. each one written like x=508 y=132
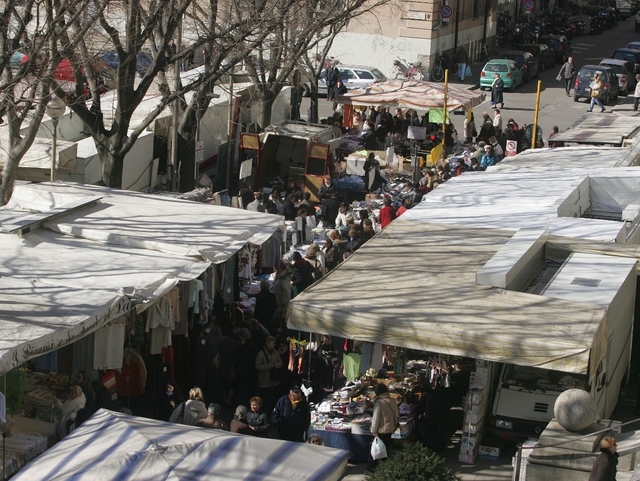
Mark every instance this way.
x=414 y=94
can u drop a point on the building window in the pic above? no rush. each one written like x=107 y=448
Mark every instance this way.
x=476 y=8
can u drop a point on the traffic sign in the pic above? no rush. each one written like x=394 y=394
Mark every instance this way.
x=529 y=5
x=446 y=11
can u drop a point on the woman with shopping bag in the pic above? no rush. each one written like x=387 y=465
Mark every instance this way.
x=383 y=423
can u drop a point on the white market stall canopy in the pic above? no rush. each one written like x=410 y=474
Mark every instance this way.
x=414 y=286
x=561 y=199
x=600 y=129
x=114 y=446
x=414 y=94
x=168 y=225
x=72 y=257
x=56 y=289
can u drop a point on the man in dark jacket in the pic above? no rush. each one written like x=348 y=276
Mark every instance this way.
x=567 y=71
x=338 y=89
x=330 y=255
x=604 y=469
x=289 y=207
x=302 y=273
x=292 y=416
x=330 y=209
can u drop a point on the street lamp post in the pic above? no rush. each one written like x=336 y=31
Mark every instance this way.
x=55 y=109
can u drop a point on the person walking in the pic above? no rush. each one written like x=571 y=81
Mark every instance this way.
x=292 y=416
x=596 y=91
x=636 y=94
x=604 y=468
x=496 y=91
x=567 y=71
x=461 y=60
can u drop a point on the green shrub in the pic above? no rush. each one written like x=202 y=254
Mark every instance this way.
x=413 y=463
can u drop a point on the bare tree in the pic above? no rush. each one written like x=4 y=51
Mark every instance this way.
x=26 y=73
x=153 y=24
x=298 y=30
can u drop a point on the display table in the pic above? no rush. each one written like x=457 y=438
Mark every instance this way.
x=358 y=445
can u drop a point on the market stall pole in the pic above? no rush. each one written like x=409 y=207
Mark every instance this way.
x=535 y=120
x=444 y=107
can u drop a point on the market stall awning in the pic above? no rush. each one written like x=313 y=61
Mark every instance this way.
x=414 y=286
x=601 y=129
x=415 y=94
x=115 y=446
x=56 y=289
x=176 y=227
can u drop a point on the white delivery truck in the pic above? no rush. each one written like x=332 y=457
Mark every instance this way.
x=526 y=395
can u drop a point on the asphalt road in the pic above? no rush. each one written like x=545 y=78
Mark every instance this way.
x=555 y=107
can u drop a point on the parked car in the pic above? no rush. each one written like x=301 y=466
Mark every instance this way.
x=353 y=77
x=592 y=7
x=624 y=70
x=542 y=52
x=634 y=45
x=609 y=83
x=143 y=61
x=526 y=61
x=629 y=54
x=559 y=44
x=511 y=74
x=622 y=7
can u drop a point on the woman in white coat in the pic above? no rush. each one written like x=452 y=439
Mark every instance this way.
x=69 y=409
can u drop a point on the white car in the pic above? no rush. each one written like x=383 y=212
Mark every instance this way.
x=353 y=77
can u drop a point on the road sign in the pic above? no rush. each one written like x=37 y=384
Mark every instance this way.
x=446 y=11
x=512 y=148
x=529 y=5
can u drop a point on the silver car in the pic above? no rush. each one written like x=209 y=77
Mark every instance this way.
x=353 y=77
x=624 y=71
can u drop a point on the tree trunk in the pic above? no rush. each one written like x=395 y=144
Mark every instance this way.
x=9 y=175
x=265 y=105
x=186 y=160
x=313 y=96
x=112 y=163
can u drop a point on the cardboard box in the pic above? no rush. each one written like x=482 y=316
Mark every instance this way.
x=473 y=428
x=477 y=397
x=488 y=451
x=470 y=441
x=473 y=418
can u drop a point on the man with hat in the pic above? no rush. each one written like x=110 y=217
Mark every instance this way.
x=636 y=94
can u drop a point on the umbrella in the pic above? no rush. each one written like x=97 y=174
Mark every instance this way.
x=415 y=94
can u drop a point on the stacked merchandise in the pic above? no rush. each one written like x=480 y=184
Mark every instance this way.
x=476 y=408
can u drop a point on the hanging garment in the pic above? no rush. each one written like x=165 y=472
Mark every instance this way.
x=228 y=276
x=83 y=353
x=131 y=379
x=108 y=345
x=160 y=337
x=351 y=366
x=365 y=359
x=376 y=357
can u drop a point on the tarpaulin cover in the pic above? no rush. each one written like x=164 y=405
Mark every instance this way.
x=173 y=226
x=414 y=94
x=600 y=129
x=115 y=446
x=56 y=289
x=413 y=285
x=63 y=280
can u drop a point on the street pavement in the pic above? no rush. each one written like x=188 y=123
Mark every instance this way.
x=555 y=107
